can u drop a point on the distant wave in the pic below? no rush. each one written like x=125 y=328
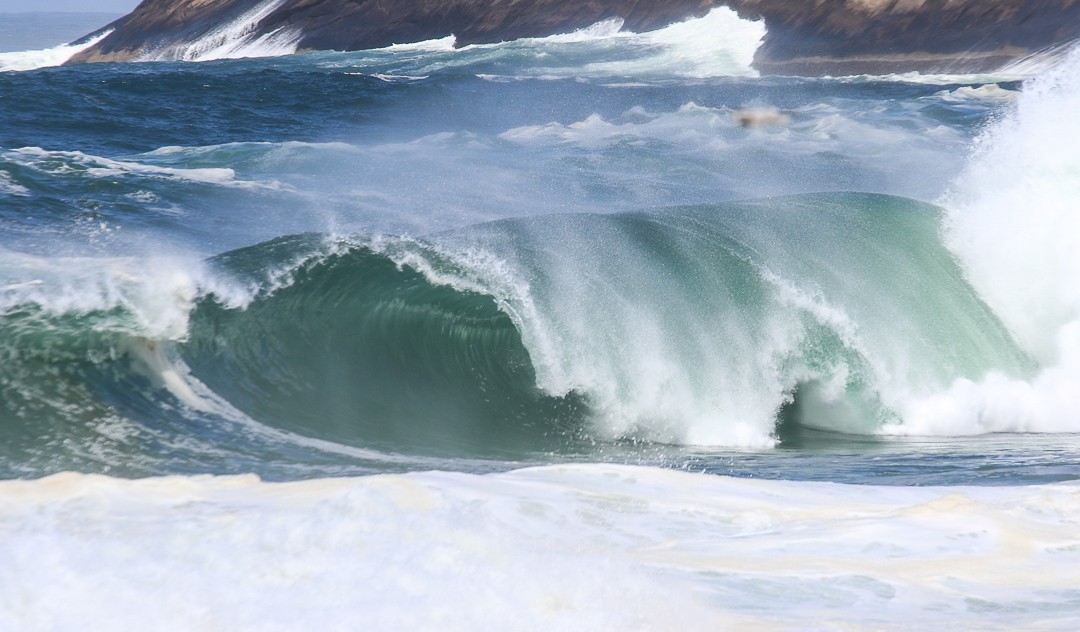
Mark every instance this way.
x=718 y=44
x=33 y=59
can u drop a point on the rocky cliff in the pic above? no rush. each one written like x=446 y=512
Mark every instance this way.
x=856 y=36
x=804 y=36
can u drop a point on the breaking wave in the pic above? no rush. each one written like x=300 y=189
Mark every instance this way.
x=713 y=325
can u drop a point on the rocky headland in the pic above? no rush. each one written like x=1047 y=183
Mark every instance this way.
x=805 y=37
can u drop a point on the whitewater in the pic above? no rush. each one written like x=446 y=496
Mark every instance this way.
x=596 y=331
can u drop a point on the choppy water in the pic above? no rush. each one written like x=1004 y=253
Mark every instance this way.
x=567 y=271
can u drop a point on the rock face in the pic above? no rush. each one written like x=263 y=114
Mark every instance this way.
x=813 y=37
x=804 y=36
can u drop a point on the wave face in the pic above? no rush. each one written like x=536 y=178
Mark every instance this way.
x=726 y=325
x=698 y=326
x=362 y=351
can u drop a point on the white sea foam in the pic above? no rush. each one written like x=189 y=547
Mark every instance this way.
x=232 y=40
x=719 y=44
x=442 y=44
x=1014 y=222
x=716 y=45
x=33 y=59
x=600 y=30
x=985 y=92
x=584 y=547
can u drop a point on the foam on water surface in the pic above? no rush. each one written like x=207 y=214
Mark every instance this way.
x=575 y=547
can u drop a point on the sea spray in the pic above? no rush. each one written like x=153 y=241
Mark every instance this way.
x=1014 y=212
x=1013 y=223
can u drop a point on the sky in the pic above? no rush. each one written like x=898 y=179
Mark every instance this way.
x=86 y=6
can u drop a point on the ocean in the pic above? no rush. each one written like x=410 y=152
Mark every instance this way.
x=599 y=331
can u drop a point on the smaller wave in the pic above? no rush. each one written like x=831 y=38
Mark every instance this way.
x=393 y=78
x=1021 y=69
x=77 y=162
x=56 y=56
x=716 y=45
x=442 y=44
x=986 y=92
x=719 y=44
x=600 y=30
